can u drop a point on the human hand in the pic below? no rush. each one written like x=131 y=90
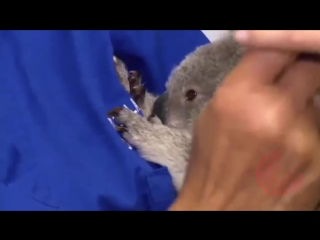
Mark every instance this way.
x=292 y=40
x=264 y=107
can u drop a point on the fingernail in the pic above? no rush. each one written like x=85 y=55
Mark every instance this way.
x=242 y=35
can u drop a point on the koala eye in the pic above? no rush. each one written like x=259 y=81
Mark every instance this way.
x=191 y=94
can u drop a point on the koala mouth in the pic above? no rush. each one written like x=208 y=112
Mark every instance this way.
x=159 y=107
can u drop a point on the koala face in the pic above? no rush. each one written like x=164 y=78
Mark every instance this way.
x=185 y=101
x=193 y=83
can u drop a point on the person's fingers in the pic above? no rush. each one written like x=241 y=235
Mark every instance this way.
x=284 y=169
x=259 y=67
x=300 y=83
x=296 y=40
x=301 y=164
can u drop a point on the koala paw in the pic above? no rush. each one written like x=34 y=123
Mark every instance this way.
x=137 y=90
x=156 y=143
x=134 y=128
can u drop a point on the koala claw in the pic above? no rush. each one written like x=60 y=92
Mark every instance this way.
x=129 y=121
x=121 y=129
x=115 y=112
x=137 y=90
x=134 y=77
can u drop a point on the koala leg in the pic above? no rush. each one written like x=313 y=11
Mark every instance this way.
x=155 y=142
x=132 y=83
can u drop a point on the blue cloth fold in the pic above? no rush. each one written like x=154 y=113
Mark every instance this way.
x=58 y=149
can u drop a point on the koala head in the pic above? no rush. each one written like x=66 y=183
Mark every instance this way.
x=194 y=81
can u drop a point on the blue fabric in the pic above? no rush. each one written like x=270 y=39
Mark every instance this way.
x=58 y=150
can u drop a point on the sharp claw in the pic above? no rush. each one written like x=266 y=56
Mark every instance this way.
x=134 y=76
x=136 y=89
x=115 y=112
x=137 y=93
x=121 y=129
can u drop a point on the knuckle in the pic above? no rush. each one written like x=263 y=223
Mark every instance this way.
x=272 y=123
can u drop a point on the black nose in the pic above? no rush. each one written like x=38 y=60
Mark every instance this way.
x=160 y=107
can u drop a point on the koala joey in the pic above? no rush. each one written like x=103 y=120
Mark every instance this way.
x=163 y=134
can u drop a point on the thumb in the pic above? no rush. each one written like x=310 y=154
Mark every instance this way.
x=293 y=40
x=259 y=67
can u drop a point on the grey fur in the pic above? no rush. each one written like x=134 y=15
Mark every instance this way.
x=122 y=72
x=169 y=144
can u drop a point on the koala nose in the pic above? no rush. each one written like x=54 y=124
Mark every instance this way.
x=160 y=107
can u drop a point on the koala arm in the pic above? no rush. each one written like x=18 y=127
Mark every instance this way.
x=156 y=143
x=132 y=83
x=154 y=53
